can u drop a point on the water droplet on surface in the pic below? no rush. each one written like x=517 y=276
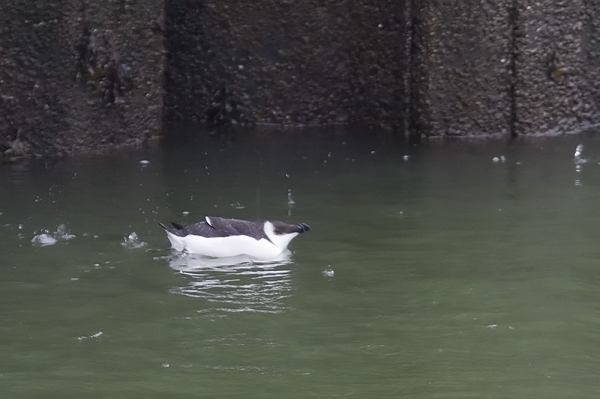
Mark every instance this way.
x=291 y=202
x=578 y=157
x=132 y=241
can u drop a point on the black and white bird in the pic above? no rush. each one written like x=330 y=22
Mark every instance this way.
x=221 y=237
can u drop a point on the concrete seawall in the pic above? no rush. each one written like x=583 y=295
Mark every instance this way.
x=84 y=76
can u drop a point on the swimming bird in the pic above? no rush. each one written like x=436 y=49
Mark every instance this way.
x=221 y=237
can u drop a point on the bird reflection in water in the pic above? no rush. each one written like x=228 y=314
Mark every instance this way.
x=235 y=284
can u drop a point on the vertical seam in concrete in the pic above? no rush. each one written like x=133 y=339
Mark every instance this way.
x=414 y=80
x=408 y=40
x=513 y=23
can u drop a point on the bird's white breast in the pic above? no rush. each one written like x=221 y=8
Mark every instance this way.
x=219 y=247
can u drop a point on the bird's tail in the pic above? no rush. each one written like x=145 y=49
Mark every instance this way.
x=178 y=243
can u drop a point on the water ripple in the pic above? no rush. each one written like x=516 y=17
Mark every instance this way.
x=235 y=285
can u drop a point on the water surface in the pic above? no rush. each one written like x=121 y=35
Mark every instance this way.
x=443 y=275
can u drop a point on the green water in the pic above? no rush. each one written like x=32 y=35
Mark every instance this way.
x=444 y=276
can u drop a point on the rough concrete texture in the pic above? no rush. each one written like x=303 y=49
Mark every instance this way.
x=79 y=76
x=286 y=62
x=510 y=66
x=467 y=62
x=558 y=67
